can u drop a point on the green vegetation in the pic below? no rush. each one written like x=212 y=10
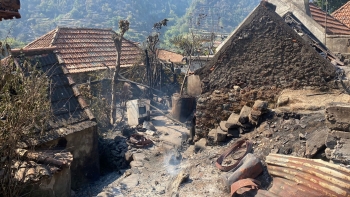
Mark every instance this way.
x=39 y=17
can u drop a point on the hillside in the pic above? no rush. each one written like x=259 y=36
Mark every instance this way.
x=39 y=17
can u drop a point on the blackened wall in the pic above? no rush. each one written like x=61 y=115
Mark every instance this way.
x=261 y=58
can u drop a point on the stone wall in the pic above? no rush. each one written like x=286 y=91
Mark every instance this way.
x=84 y=147
x=57 y=185
x=339 y=43
x=262 y=57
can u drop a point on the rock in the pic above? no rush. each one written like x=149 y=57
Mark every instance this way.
x=149 y=126
x=244 y=115
x=130 y=182
x=223 y=126
x=338 y=143
x=220 y=135
x=200 y=145
x=128 y=156
x=282 y=101
x=301 y=136
x=338 y=117
x=237 y=88
x=260 y=106
x=233 y=121
x=138 y=156
x=136 y=164
x=315 y=141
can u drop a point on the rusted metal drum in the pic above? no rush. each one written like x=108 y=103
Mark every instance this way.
x=182 y=107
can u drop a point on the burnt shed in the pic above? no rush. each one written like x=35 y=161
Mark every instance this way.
x=72 y=126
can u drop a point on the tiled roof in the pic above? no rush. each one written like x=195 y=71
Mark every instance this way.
x=84 y=50
x=343 y=14
x=334 y=27
x=169 y=56
x=67 y=104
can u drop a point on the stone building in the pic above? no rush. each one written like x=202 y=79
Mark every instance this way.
x=260 y=58
x=72 y=127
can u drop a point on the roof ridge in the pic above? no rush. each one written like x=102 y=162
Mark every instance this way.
x=85 y=28
x=339 y=9
x=55 y=36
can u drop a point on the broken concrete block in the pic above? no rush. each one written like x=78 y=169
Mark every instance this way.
x=223 y=126
x=220 y=135
x=233 y=121
x=315 y=141
x=200 y=145
x=244 y=115
x=338 y=117
x=260 y=105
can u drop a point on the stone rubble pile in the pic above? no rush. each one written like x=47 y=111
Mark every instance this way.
x=237 y=124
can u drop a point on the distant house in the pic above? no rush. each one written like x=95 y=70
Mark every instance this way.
x=343 y=14
x=83 y=50
x=72 y=127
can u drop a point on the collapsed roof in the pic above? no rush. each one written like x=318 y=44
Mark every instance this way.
x=86 y=49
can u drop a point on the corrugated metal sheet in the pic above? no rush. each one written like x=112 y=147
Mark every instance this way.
x=333 y=25
x=343 y=14
x=307 y=177
x=84 y=50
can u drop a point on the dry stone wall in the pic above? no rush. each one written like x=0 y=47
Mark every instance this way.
x=261 y=58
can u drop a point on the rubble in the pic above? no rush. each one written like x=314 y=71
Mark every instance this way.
x=338 y=147
x=338 y=116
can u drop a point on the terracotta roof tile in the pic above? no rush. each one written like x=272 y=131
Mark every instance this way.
x=334 y=27
x=84 y=50
x=168 y=55
x=343 y=14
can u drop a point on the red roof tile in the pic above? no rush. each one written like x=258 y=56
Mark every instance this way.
x=334 y=27
x=343 y=14
x=84 y=50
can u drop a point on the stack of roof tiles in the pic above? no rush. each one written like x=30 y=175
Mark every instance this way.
x=334 y=26
x=84 y=50
x=343 y=14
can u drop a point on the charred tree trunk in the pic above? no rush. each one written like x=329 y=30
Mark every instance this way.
x=118 y=45
x=148 y=73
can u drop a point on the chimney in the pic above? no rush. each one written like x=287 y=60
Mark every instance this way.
x=303 y=5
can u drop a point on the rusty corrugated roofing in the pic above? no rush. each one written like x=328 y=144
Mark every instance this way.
x=84 y=50
x=166 y=55
x=334 y=27
x=307 y=177
x=343 y=14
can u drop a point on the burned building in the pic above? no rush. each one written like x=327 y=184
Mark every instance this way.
x=260 y=58
x=72 y=127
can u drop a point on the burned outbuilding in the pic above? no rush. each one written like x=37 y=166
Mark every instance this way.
x=72 y=127
x=260 y=58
